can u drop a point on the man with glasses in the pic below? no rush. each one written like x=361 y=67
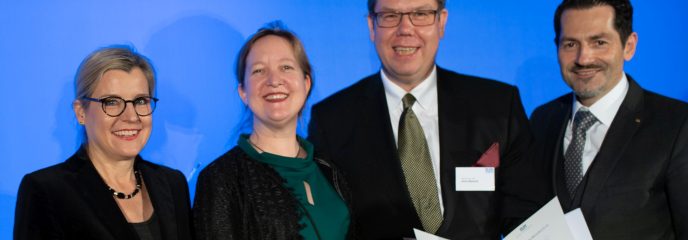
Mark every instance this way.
x=405 y=136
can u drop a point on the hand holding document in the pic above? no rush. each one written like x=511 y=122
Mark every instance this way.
x=550 y=223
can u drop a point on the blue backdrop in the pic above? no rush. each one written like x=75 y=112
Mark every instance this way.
x=193 y=45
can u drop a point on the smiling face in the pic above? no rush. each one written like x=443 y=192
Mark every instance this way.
x=275 y=88
x=407 y=52
x=121 y=137
x=591 y=55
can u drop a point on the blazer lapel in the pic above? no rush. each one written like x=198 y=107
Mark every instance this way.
x=555 y=135
x=452 y=132
x=377 y=127
x=453 y=120
x=620 y=133
x=95 y=192
x=161 y=198
x=454 y=116
x=376 y=102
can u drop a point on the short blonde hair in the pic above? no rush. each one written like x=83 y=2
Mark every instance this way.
x=116 y=57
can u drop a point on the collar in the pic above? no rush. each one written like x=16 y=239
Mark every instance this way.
x=425 y=93
x=277 y=160
x=605 y=109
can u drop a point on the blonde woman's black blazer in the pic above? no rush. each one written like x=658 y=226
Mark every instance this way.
x=71 y=201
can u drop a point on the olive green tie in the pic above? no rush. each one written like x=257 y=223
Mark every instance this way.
x=417 y=167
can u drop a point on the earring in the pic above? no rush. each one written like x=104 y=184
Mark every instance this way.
x=81 y=123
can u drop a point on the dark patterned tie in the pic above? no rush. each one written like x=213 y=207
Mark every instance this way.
x=417 y=167
x=573 y=164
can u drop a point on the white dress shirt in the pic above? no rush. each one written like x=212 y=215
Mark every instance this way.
x=604 y=110
x=425 y=109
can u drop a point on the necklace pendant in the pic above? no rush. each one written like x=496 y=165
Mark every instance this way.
x=121 y=195
x=309 y=194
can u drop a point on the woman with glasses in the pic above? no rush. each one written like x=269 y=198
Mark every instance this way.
x=270 y=186
x=105 y=190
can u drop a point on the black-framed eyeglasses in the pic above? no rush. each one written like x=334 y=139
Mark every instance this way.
x=115 y=106
x=393 y=19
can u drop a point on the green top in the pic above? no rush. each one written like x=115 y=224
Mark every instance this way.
x=329 y=212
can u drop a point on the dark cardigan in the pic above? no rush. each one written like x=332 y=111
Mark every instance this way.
x=238 y=197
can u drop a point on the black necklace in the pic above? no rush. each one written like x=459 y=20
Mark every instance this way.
x=122 y=195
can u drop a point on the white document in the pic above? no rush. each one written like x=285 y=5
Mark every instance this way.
x=475 y=179
x=421 y=235
x=577 y=225
x=548 y=223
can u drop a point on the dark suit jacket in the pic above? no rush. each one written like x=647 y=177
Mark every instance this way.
x=70 y=201
x=352 y=127
x=636 y=185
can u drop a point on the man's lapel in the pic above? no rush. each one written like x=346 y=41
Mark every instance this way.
x=556 y=129
x=453 y=110
x=453 y=121
x=628 y=119
x=377 y=125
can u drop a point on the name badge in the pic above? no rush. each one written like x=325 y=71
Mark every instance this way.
x=475 y=179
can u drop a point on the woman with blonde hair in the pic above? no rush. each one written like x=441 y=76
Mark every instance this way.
x=271 y=186
x=106 y=190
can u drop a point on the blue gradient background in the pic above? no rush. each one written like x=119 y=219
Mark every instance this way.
x=193 y=45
